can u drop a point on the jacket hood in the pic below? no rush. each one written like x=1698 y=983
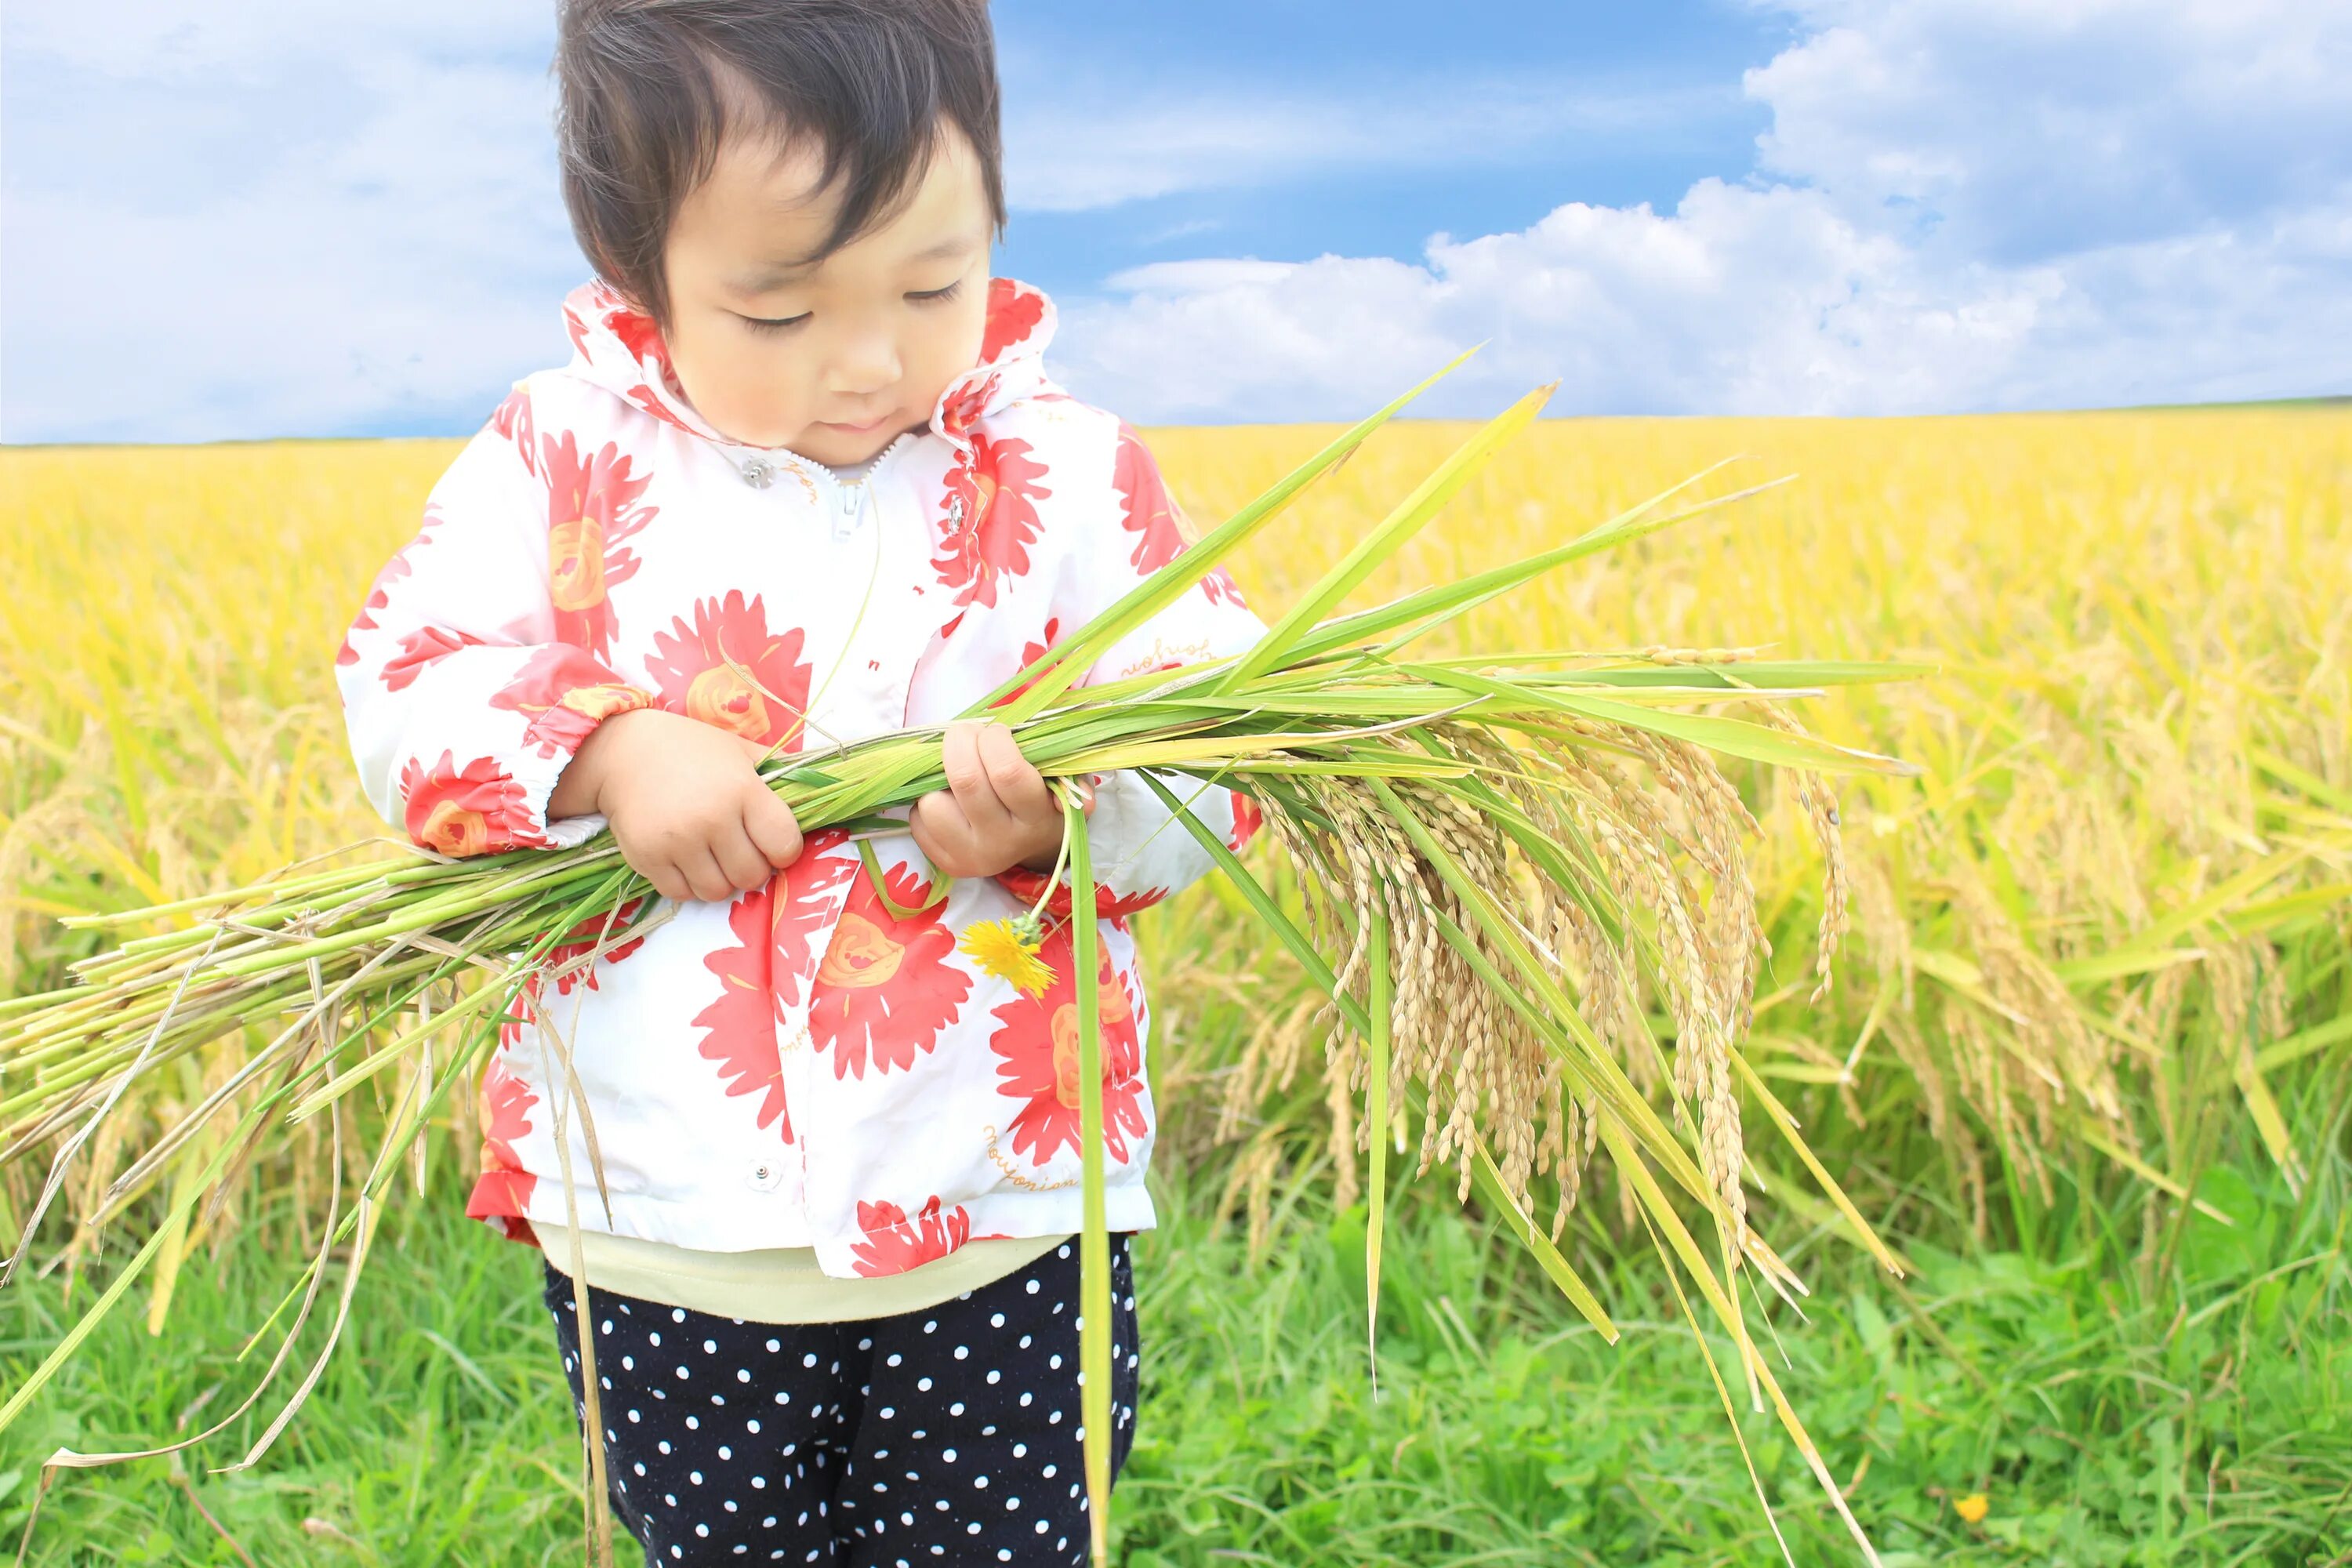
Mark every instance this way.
x=618 y=347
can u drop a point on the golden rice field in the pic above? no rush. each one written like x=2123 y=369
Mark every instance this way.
x=2103 y=935
x=2072 y=930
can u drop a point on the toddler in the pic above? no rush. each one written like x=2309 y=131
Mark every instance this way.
x=806 y=480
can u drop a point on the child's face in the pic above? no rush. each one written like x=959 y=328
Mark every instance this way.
x=864 y=342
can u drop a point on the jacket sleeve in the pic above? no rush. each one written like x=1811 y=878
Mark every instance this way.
x=1140 y=854
x=463 y=705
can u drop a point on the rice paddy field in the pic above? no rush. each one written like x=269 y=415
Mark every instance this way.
x=2086 y=1067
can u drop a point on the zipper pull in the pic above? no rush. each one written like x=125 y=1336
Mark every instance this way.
x=853 y=506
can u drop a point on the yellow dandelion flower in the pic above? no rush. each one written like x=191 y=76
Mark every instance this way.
x=1972 y=1508
x=1008 y=950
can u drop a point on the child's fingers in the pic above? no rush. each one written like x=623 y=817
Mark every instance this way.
x=1019 y=785
x=770 y=823
x=704 y=876
x=937 y=825
x=967 y=780
x=744 y=862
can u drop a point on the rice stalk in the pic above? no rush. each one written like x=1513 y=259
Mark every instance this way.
x=1506 y=855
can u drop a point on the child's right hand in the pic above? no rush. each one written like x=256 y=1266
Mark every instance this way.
x=684 y=802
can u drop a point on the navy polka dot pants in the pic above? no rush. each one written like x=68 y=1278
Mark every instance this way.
x=946 y=1436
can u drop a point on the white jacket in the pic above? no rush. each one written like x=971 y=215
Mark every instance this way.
x=795 y=1066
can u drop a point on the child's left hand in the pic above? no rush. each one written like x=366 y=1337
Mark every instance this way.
x=997 y=811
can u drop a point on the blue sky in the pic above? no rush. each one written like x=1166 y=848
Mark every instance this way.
x=299 y=218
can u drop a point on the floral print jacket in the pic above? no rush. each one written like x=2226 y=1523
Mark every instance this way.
x=796 y=1067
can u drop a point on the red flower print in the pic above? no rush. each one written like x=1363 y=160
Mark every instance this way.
x=513 y=421
x=639 y=336
x=807 y=907
x=1221 y=588
x=1028 y=886
x=567 y=694
x=1036 y=1047
x=393 y=571
x=591 y=509
x=501 y=1104
x=740 y=1026
x=885 y=989
x=424 y=646
x=1146 y=509
x=1031 y=652
x=581 y=939
x=896 y=1241
x=1248 y=820
x=473 y=810
x=728 y=671
x=1013 y=314
x=960 y=413
x=761 y=975
x=992 y=517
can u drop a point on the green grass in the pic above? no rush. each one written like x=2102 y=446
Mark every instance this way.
x=2207 y=1418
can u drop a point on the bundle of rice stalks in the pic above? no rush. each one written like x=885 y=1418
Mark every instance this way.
x=1501 y=857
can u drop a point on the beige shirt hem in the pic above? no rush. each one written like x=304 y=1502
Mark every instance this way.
x=781 y=1284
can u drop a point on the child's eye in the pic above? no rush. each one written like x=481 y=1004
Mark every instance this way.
x=773 y=323
x=933 y=296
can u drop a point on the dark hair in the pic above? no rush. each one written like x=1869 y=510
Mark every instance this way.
x=650 y=88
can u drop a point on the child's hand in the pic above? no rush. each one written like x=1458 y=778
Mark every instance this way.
x=686 y=807
x=996 y=812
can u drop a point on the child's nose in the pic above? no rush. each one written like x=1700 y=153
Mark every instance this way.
x=866 y=363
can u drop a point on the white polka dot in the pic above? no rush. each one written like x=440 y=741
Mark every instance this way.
x=948 y=1455
x=725 y=1452
x=1043 y=1526
x=653 y=1340
x=632 y=1415
x=694 y=1476
x=742 y=1375
x=1064 y=1252
x=888 y=1411
x=677 y=1314
x=1050 y=1469
x=774 y=1345
x=1024 y=1342
x=752 y=1427
x=1033 y=1287
x=931 y=1326
x=924 y=1384
x=1053 y=1362
x=702 y=1529
x=994 y=1375
x=1024 y=1401
x=682 y=1372
x=783 y=1399
x=894 y=1359
x=957 y=1408
x=981 y=1482
x=710 y=1347
x=628 y=1363
x=760 y=1483
x=607 y=1327
x=663 y=1445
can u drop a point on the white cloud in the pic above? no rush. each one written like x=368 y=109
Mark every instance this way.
x=381 y=258
x=1979 y=203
